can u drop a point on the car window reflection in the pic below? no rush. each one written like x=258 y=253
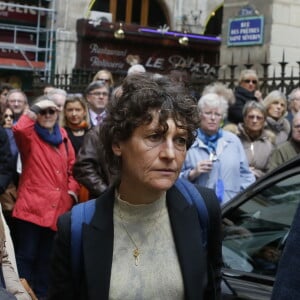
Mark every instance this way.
x=255 y=232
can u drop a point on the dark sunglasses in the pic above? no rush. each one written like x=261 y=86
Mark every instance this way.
x=47 y=111
x=103 y=80
x=250 y=80
x=10 y=116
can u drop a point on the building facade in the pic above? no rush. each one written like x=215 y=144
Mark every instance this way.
x=44 y=34
x=47 y=37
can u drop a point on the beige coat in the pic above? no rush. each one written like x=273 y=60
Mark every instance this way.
x=11 y=278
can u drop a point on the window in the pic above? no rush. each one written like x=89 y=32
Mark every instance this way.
x=255 y=232
x=142 y=12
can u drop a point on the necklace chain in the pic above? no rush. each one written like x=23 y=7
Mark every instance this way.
x=136 y=251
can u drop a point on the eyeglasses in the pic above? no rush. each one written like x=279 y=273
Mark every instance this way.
x=47 y=111
x=252 y=117
x=16 y=101
x=210 y=114
x=8 y=116
x=250 y=80
x=97 y=94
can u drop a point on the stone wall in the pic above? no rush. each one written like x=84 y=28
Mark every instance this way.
x=281 y=31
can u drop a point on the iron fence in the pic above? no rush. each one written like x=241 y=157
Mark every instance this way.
x=282 y=76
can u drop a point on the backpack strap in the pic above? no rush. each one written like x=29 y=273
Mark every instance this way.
x=194 y=197
x=80 y=213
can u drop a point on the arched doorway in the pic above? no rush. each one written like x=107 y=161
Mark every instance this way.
x=214 y=24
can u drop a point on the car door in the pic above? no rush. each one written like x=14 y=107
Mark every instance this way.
x=256 y=224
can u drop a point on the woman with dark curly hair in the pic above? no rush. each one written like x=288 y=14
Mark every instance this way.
x=144 y=239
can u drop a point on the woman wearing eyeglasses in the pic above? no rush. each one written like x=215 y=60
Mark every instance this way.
x=7 y=123
x=216 y=159
x=257 y=141
x=105 y=76
x=247 y=90
x=46 y=189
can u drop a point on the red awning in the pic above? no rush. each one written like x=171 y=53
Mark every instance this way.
x=11 y=63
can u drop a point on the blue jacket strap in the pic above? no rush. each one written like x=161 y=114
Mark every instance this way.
x=194 y=197
x=80 y=213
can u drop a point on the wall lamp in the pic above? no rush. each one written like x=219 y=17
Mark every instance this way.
x=184 y=41
x=119 y=33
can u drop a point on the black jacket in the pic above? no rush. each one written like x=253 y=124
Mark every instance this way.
x=6 y=161
x=98 y=250
x=235 y=111
x=90 y=168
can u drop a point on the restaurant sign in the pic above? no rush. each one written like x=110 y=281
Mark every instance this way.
x=115 y=57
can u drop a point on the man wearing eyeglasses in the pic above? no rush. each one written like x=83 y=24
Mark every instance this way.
x=247 y=90
x=17 y=101
x=97 y=96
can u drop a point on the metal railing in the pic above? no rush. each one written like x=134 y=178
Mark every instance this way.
x=284 y=77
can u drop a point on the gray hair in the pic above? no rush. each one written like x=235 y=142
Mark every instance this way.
x=254 y=105
x=247 y=73
x=56 y=91
x=12 y=91
x=292 y=95
x=95 y=85
x=222 y=90
x=138 y=68
x=213 y=100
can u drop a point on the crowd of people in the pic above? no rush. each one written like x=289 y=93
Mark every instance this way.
x=127 y=146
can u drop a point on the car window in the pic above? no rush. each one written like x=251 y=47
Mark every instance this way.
x=255 y=232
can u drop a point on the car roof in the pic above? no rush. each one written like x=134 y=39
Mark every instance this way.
x=283 y=168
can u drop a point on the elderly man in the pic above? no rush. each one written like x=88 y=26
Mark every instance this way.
x=18 y=102
x=290 y=148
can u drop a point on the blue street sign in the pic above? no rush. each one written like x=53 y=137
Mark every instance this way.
x=245 y=31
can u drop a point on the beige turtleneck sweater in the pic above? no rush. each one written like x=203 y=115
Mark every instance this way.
x=157 y=274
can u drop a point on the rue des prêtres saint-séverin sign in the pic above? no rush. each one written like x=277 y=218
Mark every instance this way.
x=245 y=30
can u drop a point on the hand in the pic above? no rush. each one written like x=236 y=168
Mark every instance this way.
x=203 y=166
x=258 y=96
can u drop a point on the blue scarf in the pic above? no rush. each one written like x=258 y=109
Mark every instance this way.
x=54 y=138
x=210 y=140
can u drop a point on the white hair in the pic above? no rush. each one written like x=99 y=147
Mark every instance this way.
x=213 y=100
x=136 y=69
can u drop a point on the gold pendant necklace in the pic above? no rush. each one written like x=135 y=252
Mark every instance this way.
x=136 y=251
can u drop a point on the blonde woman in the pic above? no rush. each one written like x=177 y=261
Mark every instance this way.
x=247 y=90
x=276 y=108
x=105 y=76
x=75 y=120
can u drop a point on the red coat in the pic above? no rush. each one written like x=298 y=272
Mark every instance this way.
x=46 y=176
